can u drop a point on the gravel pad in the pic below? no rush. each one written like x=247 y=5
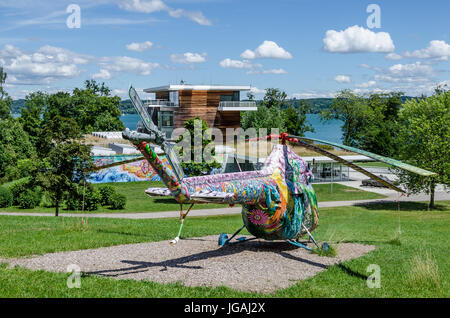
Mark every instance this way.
x=257 y=266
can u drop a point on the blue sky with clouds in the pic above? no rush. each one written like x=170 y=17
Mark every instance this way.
x=306 y=48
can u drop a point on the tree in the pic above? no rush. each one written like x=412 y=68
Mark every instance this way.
x=274 y=98
x=191 y=167
x=65 y=158
x=269 y=113
x=273 y=112
x=349 y=108
x=14 y=147
x=5 y=100
x=32 y=114
x=424 y=141
x=92 y=107
x=295 y=119
x=96 y=109
x=263 y=117
x=369 y=123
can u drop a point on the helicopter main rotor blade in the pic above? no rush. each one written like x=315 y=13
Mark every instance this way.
x=345 y=162
x=115 y=164
x=390 y=161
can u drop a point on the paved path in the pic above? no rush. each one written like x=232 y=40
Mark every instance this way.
x=236 y=210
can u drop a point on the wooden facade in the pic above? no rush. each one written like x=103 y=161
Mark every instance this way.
x=203 y=104
x=175 y=104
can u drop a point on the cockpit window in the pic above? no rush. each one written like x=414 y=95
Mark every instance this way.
x=174 y=162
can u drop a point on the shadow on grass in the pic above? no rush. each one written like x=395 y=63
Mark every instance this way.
x=351 y=272
x=165 y=200
x=404 y=206
x=121 y=233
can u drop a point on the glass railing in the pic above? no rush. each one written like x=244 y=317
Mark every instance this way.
x=159 y=102
x=233 y=104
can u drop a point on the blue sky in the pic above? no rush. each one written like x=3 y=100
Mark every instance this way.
x=306 y=48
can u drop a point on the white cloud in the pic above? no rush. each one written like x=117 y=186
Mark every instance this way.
x=256 y=90
x=271 y=71
x=367 y=84
x=415 y=72
x=368 y=91
x=268 y=49
x=110 y=66
x=357 y=39
x=393 y=56
x=229 y=63
x=103 y=74
x=342 y=78
x=435 y=49
x=120 y=92
x=417 y=89
x=195 y=16
x=188 y=57
x=43 y=66
x=403 y=73
x=150 y=6
x=139 y=47
x=313 y=94
x=145 y=6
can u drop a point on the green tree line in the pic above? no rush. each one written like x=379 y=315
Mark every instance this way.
x=44 y=147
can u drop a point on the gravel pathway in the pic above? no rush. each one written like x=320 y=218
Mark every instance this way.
x=256 y=266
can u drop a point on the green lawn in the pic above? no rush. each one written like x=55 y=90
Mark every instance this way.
x=138 y=201
x=339 y=192
x=415 y=265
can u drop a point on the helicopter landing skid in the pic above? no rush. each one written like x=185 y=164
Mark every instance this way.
x=224 y=240
x=299 y=245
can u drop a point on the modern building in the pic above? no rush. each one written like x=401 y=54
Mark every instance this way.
x=219 y=105
x=324 y=169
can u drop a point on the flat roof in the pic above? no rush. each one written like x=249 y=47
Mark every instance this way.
x=181 y=87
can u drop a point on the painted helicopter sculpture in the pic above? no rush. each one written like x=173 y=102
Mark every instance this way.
x=278 y=201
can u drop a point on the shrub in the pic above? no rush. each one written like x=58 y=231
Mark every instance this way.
x=6 y=198
x=118 y=201
x=106 y=192
x=87 y=194
x=92 y=199
x=30 y=198
x=18 y=188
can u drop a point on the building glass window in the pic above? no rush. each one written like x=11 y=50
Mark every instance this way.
x=226 y=98
x=166 y=119
x=173 y=97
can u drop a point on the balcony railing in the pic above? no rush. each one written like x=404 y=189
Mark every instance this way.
x=159 y=103
x=237 y=105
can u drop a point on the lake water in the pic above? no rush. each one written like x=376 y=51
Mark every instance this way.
x=329 y=130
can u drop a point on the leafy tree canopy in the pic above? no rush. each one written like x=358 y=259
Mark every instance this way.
x=424 y=141
x=369 y=123
x=5 y=100
x=274 y=112
x=63 y=158
x=192 y=167
x=92 y=108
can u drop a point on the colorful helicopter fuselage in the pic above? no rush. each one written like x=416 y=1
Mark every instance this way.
x=278 y=201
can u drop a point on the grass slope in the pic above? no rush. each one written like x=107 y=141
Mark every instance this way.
x=413 y=264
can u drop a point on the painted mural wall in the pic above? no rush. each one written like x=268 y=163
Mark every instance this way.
x=130 y=172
